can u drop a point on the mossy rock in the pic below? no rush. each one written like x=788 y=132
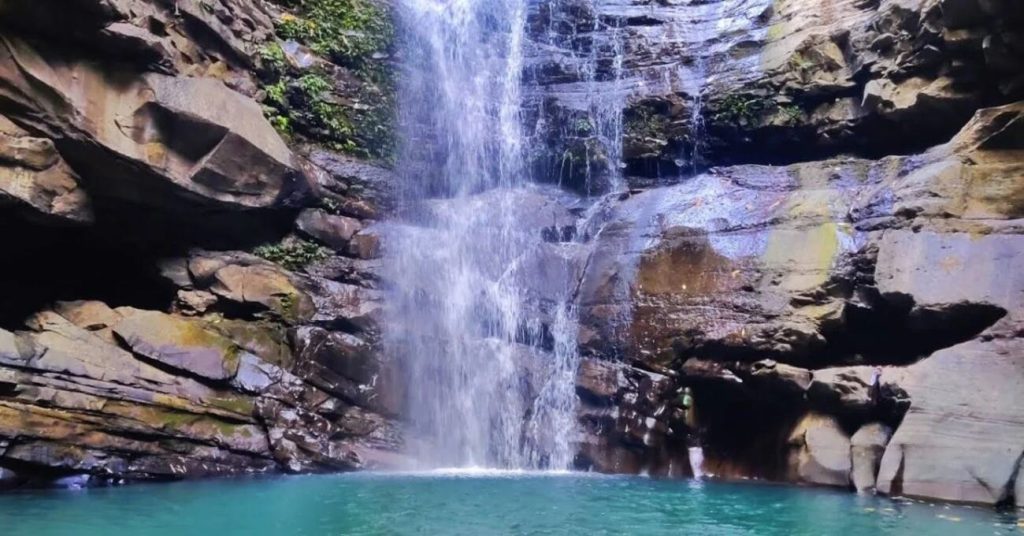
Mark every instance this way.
x=184 y=344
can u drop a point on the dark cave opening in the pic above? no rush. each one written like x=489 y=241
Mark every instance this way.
x=891 y=330
x=116 y=259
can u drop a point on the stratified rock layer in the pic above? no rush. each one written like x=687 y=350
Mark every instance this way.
x=869 y=290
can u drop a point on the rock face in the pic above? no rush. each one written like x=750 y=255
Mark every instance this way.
x=874 y=293
x=37 y=180
x=133 y=153
x=760 y=81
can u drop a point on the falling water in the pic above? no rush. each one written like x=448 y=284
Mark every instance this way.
x=697 y=77
x=490 y=363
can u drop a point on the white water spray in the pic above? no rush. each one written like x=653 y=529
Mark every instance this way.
x=490 y=367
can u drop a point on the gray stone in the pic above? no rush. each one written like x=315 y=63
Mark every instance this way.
x=181 y=343
x=866 y=448
x=334 y=231
x=819 y=452
x=954 y=444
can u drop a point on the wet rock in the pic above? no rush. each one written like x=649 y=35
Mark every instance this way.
x=348 y=367
x=360 y=272
x=872 y=77
x=346 y=176
x=366 y=244
x=625 y=419
x=8 y=478
x=866 y=448
x=820 y=452
x=346 y=305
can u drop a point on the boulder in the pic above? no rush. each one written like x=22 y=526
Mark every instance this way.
x=843 y=390
x=262 y=286
x=181 y=343
x=953 y=444
x=866 y=448
x=334 y=231
x=194 y=302
x=819 y=452
x=232 y=158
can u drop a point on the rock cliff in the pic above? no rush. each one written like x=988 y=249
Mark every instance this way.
x=805 y=196
x=821 y=193
x=189 y=285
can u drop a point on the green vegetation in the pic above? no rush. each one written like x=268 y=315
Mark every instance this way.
x=583 y=126
x=292 y=254
x=791 y=114
x=351 y=111
x=348 y=32
x=645 y=122
x=741 y=109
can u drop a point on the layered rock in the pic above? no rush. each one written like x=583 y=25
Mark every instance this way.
x=761 y=81
x=133 y=153
x=862 y=290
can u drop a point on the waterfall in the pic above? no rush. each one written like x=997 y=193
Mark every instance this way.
x=490 y=359
x=696 y=79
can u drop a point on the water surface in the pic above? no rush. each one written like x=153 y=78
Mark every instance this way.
x=479 y=504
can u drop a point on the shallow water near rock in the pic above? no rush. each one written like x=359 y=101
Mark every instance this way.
x=480 y=502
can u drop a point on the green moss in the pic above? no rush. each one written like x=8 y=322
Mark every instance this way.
x=238 y=405
x=293 y=255
x=281 y=123
x=272 y=58
x=645 y=122
x=308 y=103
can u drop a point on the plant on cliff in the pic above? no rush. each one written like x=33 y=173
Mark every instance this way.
x=741 y=109
x=347 y=103
x=791 y=114
x=349 y=32
x=292 y=254
x=644 y=122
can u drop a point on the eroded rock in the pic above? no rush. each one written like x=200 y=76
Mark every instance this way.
x=820 y=452
x=866 y=448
